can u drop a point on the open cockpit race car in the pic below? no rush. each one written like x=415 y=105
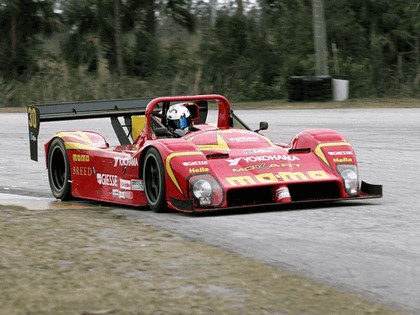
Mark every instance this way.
x=214 y=166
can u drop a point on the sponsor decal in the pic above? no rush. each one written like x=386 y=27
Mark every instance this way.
x=81 y=158
x=126 y=195
x=278 y=177
x=263 y=158
x=283 y=192
x=107 y=180
x=82 y=171
x=265 y=166
x=338 y=153
x=198 y=170
x=137 y=184
x=319 y=149
x=195 y=163
x=122 y=194
x=32 y=137
x=344 y=160
x=125 y=161
x=244 y=139
x=125 y=184
x=256 y=151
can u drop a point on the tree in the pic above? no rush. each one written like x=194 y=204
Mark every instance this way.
x=106 y=24
x=238 y=59
x=20 y=22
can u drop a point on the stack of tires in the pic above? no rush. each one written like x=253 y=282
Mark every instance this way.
x=310 y=88
x=295 y=88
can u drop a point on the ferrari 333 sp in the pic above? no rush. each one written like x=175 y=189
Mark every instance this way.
x=213 y=166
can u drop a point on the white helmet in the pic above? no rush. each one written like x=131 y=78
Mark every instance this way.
x=178 y=119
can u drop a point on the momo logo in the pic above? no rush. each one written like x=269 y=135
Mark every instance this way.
x=279 y=177
x=263 y=158
x=122 y=161
x=107 y=179
x=81 y=158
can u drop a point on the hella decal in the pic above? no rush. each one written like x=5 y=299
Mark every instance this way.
x=263 y=158
x=276 y=178
x=344 y=160
x=198 y=170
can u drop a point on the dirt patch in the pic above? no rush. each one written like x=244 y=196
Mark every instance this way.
x=75 y=259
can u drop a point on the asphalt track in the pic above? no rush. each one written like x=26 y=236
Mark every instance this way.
x=370 y=248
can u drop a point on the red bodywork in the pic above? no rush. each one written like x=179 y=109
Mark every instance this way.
x=244 y=167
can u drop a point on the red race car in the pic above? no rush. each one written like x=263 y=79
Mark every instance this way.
x=170 y=157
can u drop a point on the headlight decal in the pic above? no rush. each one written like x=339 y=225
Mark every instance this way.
x=320 y=153
x=169 y=169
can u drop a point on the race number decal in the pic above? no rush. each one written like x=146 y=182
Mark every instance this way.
x=33 y=125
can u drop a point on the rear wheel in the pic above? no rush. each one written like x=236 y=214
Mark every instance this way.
x=59 y=170
x=154 y=180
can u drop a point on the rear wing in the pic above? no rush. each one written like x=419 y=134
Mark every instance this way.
x=93 y=109
x=83 y=110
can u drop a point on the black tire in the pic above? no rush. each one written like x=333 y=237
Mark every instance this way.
x=59 y=174
x=154 y=181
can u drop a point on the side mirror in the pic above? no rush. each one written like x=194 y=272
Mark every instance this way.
x=263 y=126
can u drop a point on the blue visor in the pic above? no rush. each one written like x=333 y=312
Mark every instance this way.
x=181 y=123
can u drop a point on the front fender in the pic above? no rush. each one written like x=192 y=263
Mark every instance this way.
x=328 y=145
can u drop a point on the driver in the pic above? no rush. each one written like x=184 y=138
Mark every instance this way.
x=178 y=120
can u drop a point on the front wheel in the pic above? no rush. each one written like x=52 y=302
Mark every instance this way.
x=154 y=180
x=59 y=170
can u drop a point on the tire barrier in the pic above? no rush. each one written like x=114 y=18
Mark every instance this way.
x=310 y=88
